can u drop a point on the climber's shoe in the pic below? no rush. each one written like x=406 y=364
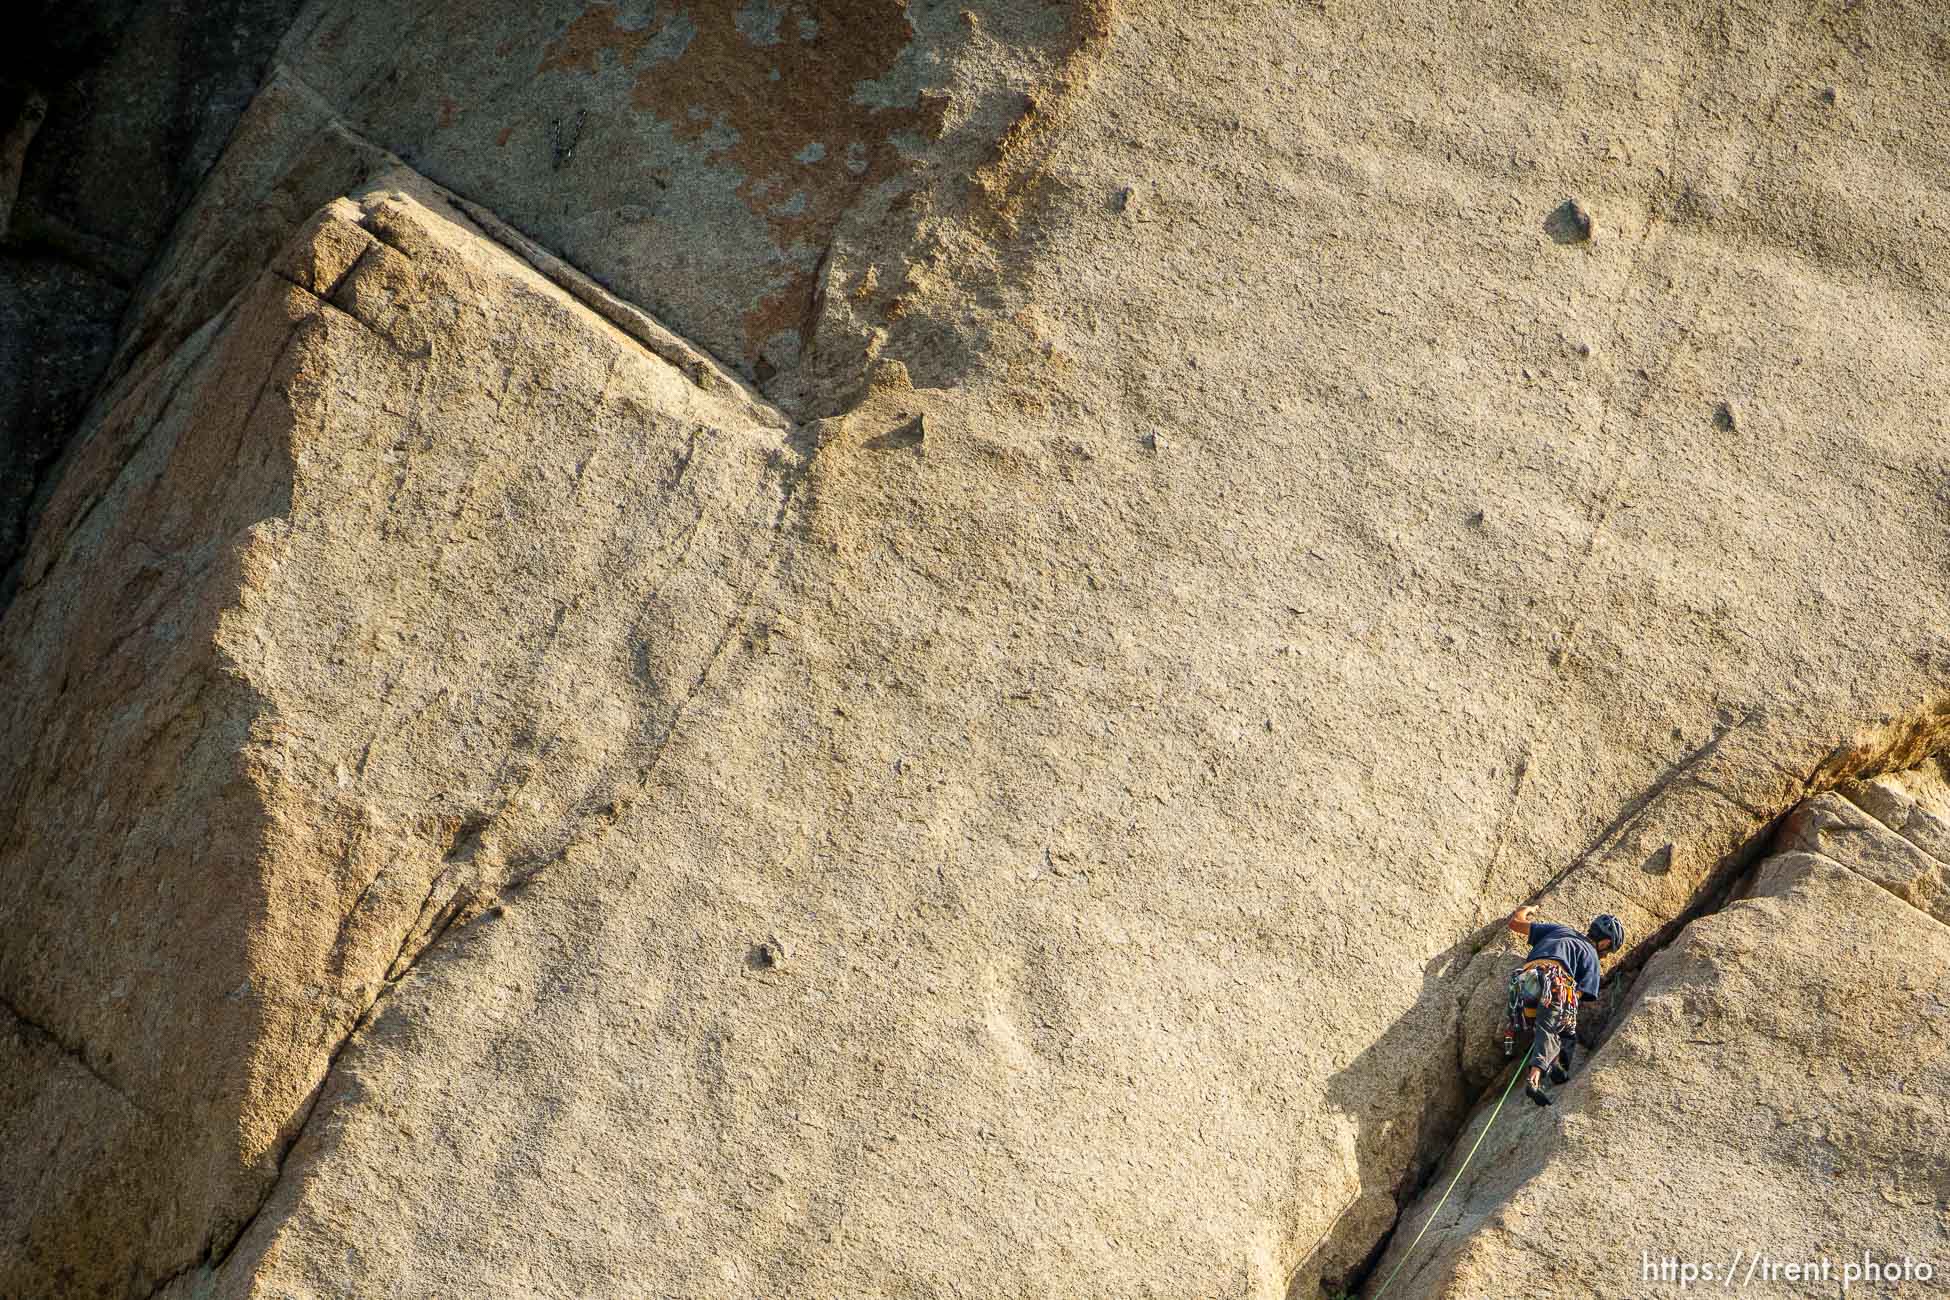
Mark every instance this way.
x=1536 y=1094
x=1560 y=1075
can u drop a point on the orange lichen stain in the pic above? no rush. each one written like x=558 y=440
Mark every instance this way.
x=449 y=111
x=778 y=106
x=588 y=36
x=501 y=136
x=790 y=308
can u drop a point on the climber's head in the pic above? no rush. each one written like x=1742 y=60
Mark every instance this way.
x=1607 y=933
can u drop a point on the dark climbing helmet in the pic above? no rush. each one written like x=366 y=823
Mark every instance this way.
x=1607 y=926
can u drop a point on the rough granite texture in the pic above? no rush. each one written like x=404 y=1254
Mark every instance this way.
x=706 y=159
x=202 y=931
x=1019 y=801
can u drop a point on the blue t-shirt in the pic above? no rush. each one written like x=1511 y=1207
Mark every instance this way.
x=1568 y=949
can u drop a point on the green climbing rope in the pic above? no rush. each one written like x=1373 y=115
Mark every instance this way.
x=1459 y=1171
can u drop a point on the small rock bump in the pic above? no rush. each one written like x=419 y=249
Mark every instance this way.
x=1569 y=223
x=1725 y=418
x=767 y=956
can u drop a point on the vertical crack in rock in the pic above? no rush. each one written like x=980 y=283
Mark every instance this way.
x=1876 y=829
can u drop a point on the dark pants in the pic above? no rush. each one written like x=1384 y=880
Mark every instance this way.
x=1555 y=1050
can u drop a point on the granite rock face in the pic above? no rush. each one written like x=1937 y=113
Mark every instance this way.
x=371 y=729
x=608 y=703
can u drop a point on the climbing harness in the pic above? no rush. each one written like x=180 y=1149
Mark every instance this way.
x=1515 y=1075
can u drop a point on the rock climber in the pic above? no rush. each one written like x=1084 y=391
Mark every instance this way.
x=1560 y=972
